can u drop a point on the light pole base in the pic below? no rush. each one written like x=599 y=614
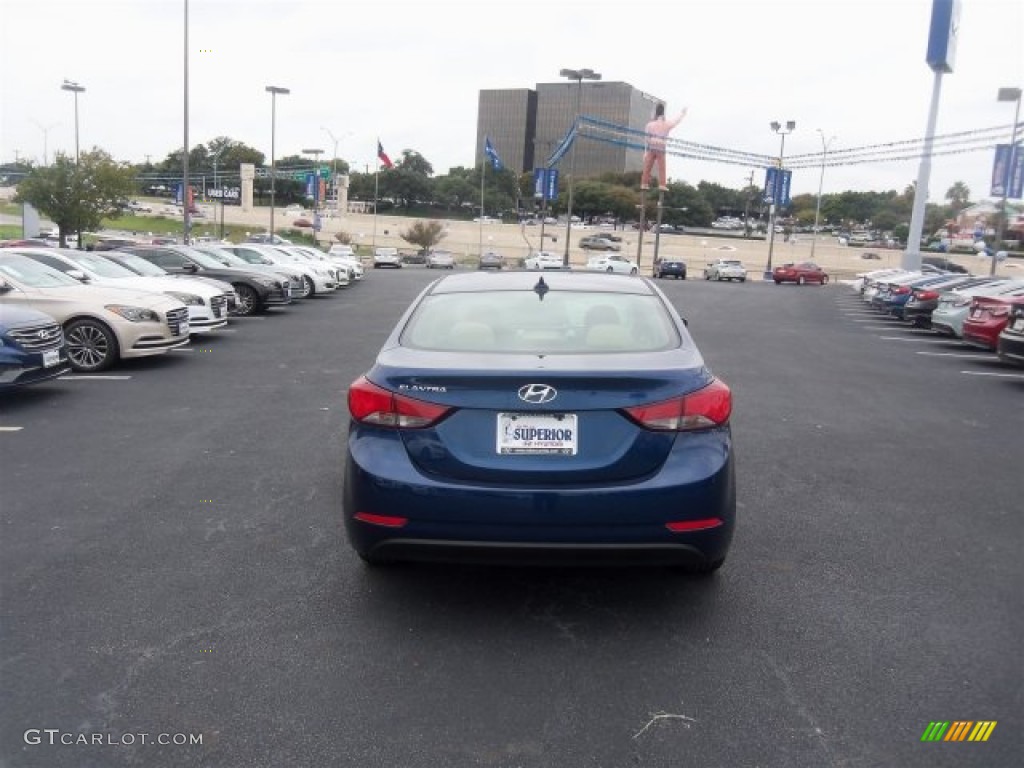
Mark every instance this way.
x=767 y=276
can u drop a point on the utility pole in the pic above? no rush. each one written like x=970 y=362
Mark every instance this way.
x=746 y=207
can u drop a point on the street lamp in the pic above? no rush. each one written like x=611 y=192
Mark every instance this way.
x=783 y=132
x=334 y=164
x=821 y=179
x=76 y=89
x=46 y=131
x=1006 y=94
x=579 y=75
x=273 y=90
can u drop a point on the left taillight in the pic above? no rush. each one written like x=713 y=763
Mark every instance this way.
x=704 y=409
x=371 y=404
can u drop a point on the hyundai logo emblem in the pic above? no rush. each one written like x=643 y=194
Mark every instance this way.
x=537 y=394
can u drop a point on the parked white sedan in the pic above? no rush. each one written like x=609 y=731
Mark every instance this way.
x=612 y=262
x=726 y=269
x=543 y=260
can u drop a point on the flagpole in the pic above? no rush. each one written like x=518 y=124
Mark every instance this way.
x=376 y=182
x=483 y=174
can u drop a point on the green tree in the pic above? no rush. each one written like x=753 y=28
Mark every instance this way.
x=424 y=234
x=459 y=186
x=77 y=196
x=414 y=162
x=959 y=196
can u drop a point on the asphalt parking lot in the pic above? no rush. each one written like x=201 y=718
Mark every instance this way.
x=173 y=562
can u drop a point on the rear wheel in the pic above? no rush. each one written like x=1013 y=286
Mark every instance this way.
x=824 y=280
x=801 y=280
x=92 y=346
x=632 y=271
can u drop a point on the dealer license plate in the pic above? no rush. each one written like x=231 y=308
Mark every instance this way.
x=537 y=433
x=51 y=357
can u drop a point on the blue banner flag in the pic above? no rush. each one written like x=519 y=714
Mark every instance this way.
x=492 y=154
x=1008 y=172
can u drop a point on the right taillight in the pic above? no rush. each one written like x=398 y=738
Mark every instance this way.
x=926 y=295
x=706 y=408
x=371 y=404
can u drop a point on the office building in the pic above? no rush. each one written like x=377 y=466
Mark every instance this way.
x=526 y=125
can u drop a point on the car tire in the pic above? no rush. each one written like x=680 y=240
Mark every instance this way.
x=248 y=300
x=92 y=346
x=801 y=280
x=824 y=280
x=743 y=279
x=778 y=282
x=308 y=287
x=609 y=270
x=632 y=271
x=707 y=276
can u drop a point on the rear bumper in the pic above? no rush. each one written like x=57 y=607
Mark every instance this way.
x=1011 y=348
x=621 y=522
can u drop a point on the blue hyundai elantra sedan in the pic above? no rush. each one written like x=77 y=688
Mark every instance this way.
x=563 y=419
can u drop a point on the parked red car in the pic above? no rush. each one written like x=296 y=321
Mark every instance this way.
x=802 y=273
x=987 y=318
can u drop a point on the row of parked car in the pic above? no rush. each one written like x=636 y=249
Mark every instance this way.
x=69 y=310
x=983 y=311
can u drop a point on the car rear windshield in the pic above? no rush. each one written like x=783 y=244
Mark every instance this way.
x=567 y=322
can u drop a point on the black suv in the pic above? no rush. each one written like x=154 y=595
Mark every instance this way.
x=256 y=290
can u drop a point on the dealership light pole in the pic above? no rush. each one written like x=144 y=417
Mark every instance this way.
x=1006 y=94
x=579 y=75
x=76 y=89
x=821 y=179
x=273 y=90
x=783 y=132
x=186 y=188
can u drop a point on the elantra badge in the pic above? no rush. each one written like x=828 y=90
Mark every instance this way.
x=537 y=394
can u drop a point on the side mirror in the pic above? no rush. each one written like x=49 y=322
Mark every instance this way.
x=4 y=286
x=78 y=274
x=685 y=321
x=188 y=266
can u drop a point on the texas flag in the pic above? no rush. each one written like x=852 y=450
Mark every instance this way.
x=383 y=156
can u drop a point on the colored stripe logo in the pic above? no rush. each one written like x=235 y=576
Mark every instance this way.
x=958 y=730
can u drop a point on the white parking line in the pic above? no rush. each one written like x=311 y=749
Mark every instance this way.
x=11 y=429
x=961 y=355
x=917 y=339
x=1000 y=375
x=183 y=349
x=92 y=377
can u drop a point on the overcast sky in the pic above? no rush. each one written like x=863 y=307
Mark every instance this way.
x=410 y=73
